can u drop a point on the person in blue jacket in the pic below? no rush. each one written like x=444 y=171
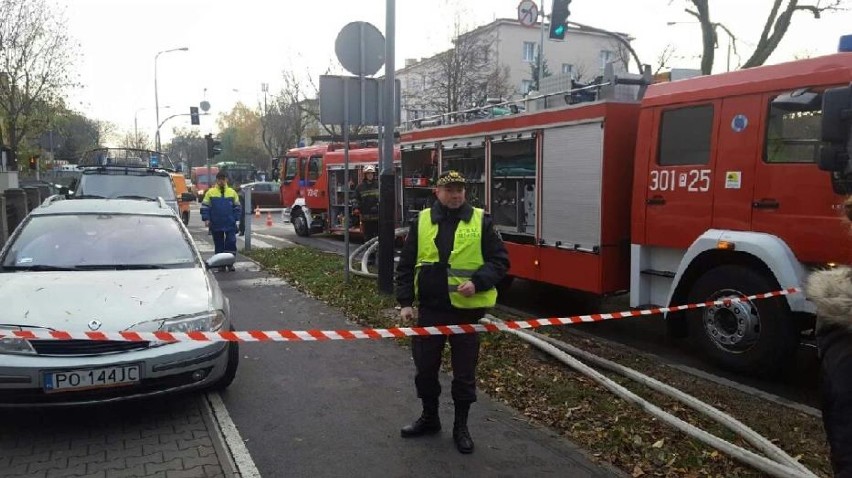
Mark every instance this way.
x=220 y=211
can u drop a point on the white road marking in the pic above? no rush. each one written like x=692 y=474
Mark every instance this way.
x=242 y=458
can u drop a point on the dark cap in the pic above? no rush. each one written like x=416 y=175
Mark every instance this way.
x=450 y=177
x=221 y=175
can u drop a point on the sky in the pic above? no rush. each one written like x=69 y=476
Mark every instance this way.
x=236 y=46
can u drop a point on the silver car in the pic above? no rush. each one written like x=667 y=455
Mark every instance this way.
x=108 y=265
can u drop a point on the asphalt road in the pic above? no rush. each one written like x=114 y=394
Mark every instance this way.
x=335 y=408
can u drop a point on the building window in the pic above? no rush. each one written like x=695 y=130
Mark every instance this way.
x=685 y=135
x=568 y=69
x=606 y=56
x=526 y=86
x=529 y=51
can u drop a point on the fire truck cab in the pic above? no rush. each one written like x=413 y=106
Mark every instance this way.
x=698 y=190
x=313 y=187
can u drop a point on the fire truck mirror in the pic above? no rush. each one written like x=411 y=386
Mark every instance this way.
x=836 y=129
x=836 y=114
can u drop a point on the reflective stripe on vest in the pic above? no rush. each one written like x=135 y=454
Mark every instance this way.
x=465 y=258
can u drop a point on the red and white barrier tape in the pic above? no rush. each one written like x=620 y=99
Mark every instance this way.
x=395 y=332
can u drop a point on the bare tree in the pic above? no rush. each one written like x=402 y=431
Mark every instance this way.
x=283 y=122
x=135 y=141
x=774 y=28
x=36 y=61
x=466 y=75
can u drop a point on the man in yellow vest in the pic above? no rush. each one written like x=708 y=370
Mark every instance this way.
x=450 y=263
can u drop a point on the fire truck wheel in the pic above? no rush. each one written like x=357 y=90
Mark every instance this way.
x=756 y=337
x=185 y=218
x=300 y=224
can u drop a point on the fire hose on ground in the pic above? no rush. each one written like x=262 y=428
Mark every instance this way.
x=783 y=466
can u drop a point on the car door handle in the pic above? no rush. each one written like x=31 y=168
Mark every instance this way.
x=656 y=201
x=765 y=204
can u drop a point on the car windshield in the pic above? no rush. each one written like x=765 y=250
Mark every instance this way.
x=204 y=179
x=99 y=241
x=127 y=185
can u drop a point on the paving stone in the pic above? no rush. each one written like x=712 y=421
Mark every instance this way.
x=163 y=447
x=30 y=458
x=130 y=471
x=106 y=465
x=57 y=463
x=78 y=470
x=125 y=453
x=213 y=470
x=87 y=458
x=175 y=464
x=197 y=472
x=184 y=444
x=146 y=459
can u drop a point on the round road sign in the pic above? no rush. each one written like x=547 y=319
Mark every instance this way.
x=357 y=41
x=527 y=13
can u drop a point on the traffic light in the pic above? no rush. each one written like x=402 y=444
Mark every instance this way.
x=558 y=16
x=33 y=162
x=214 y=146
x=193 y=115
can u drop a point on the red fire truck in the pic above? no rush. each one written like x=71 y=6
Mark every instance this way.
x=313 y=187
x=705 y=188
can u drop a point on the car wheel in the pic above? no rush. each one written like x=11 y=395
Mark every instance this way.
x=231 y=369
x=300 y=224
x=185 y=218
x=756 y=337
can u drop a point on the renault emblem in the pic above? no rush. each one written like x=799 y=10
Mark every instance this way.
x=94 y=324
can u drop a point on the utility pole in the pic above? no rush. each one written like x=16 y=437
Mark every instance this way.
x=387 y=178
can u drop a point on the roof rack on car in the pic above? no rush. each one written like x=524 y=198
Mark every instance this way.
x=126 y=157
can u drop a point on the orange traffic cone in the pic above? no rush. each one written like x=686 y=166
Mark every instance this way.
x=269 y=219
x=257 y=211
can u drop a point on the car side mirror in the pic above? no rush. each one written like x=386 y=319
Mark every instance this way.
x=187 y=197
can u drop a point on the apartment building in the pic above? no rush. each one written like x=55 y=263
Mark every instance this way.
x=509 y=49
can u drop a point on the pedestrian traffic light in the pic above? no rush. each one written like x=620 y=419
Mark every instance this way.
x=33 y=162
x=214 y=146
x=193 y=115
x=558 y=16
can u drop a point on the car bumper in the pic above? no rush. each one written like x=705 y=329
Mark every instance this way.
x=165 y=369
x=285 y=215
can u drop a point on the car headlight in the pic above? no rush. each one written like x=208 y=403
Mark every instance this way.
x=210 y=321
x=13 y=345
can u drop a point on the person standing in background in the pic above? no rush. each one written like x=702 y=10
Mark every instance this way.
x=220 y=211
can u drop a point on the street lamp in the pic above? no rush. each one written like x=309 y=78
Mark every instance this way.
x=156 y=97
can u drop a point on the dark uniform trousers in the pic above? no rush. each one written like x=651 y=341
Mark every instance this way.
x=464 y=351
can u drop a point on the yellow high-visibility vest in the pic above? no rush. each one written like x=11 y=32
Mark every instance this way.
x=465 y=258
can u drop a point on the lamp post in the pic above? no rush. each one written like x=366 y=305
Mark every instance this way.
x=156 y=97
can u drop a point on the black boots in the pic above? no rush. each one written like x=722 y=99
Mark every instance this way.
x=428 y=423
x=464 y=443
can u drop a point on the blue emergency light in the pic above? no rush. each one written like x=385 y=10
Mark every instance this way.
x=845 y=44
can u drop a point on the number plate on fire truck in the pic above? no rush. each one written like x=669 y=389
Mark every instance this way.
x=71 y=380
